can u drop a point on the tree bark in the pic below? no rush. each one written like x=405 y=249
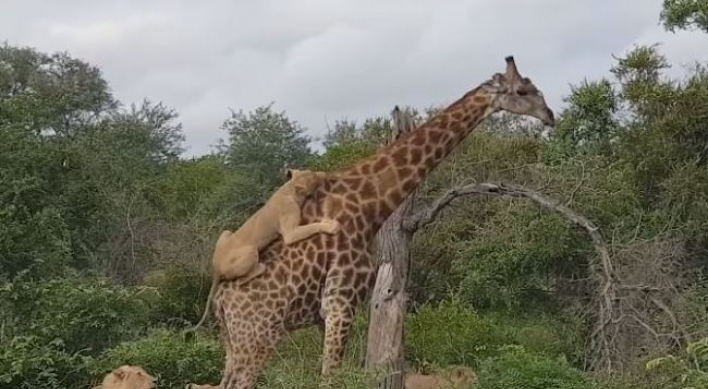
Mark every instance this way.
x=387 y=308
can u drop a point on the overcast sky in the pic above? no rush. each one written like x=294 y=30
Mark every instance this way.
x=321 y=60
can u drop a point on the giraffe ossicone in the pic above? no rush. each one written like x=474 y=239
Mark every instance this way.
x=331 y=275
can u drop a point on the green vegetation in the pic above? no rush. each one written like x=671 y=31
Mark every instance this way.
x=105 y=232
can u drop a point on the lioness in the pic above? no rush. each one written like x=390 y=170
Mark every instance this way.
x=236 y=254
x=127 y=377
x=460 y=377
x=195 y=386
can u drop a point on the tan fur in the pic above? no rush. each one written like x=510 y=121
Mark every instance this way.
x=236 y=254
x=459 y=377
x=195 y=386
x=127 y=377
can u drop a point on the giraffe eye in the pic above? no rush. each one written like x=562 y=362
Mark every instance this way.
x=522 y=92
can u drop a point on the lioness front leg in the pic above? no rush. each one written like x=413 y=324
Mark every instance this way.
x=299 y=233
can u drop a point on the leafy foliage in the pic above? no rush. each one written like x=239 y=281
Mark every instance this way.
x=263 y=142
x=517 y=368
x=686 y=372
x=451 y=334
x=681 y=14
x=28 y=362
x=81 y=316
x=169 y=358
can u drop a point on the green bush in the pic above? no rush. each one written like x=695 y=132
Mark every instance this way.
x=29 y=362
x=507 y=265
x=559 y=335
x=169 y=358
x=183 y=292
x=87 y=317
x=516 y=368
x=685 y=371
x=451 y=334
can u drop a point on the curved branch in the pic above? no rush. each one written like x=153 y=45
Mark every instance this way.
x=428 y=215
x=608 y=285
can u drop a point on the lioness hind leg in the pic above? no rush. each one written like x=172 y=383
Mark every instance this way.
x=246 y=266
x=256 y=271
x=239 y=264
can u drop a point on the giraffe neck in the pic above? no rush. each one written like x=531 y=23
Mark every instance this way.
x=397 y=169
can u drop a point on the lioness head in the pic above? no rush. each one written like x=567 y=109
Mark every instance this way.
x=462 y=376
x=459 y=377
x=128 y=377
x=305 y=182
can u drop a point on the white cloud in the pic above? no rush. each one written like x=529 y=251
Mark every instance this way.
x=326 y=59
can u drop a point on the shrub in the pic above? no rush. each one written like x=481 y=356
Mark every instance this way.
x=519 y=369
x=183 y=292
x=84 y=316
x=168 y=357
x=683 y=371
x=451 y=334
x=550 y=335
x=28 y=362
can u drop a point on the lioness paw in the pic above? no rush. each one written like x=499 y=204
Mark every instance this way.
x=331 y=226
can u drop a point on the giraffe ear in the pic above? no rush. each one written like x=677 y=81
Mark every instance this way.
x=498 y=80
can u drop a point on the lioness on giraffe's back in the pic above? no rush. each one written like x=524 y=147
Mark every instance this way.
x=236 y=254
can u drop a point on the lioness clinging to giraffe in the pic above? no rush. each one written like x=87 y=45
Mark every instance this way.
x=236 y=254
x=322 y=279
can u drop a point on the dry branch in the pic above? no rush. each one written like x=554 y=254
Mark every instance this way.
x=602 y=337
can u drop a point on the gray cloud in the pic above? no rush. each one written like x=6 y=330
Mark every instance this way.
x=322 y=60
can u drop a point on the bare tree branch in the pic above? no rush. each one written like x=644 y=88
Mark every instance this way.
x=603 y=335
x=427 y=216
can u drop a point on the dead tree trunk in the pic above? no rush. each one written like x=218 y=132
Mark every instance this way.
x=387 y=308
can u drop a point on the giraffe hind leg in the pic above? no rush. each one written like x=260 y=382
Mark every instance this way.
x=338 y=323
x=252 y=342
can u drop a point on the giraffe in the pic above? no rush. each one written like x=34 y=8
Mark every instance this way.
x=324 y=279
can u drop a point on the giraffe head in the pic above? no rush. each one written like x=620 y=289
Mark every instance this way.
x=513 y=93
